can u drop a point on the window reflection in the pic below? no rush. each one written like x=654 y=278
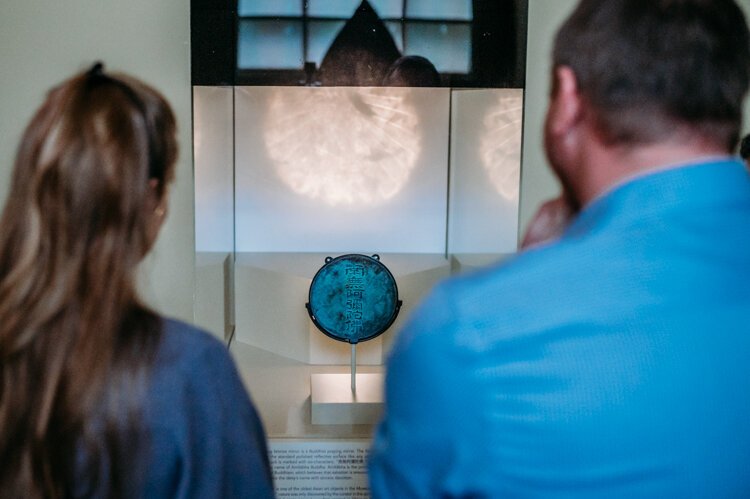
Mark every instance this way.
x=286 y=34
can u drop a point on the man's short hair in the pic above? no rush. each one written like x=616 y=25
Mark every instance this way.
x=647 y=66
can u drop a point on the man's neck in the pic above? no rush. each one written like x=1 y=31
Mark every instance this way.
x=609 y=166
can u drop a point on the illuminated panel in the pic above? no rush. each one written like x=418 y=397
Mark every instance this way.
x=485 y=171
x=337 y=169
x=212 y=149
x=500 y=143
x=356 y=147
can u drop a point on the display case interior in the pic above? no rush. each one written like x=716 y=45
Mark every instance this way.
x=427 y=178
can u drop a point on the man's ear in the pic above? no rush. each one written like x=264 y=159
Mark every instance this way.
x=566 y=105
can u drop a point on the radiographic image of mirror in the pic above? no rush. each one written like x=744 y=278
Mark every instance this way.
x=341 y=169
x=343 y=146
x=500 y=143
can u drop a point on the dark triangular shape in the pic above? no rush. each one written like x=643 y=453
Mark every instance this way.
x=361 y=53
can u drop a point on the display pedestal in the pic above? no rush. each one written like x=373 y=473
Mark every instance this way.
x=334 y=402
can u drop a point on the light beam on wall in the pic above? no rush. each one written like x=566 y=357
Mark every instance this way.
x=343 y=145
x=500 y=143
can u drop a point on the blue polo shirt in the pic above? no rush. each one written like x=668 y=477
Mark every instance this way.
x=614 y=363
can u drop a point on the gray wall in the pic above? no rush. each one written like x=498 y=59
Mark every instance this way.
x=44 y=41
x=537 y=182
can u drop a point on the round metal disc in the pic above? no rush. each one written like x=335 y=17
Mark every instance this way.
x=353 y=298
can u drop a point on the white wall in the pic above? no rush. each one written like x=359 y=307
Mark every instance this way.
x=537 y=182
x=44 y=41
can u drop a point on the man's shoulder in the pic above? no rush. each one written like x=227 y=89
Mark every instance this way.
x=503 y=297
x=524 y=273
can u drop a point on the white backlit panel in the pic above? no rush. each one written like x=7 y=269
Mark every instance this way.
x=485 y=170
x=500 y=142
x=341 y=169
x=362 y=155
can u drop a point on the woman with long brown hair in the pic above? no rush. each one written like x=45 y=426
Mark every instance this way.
x=99 y=396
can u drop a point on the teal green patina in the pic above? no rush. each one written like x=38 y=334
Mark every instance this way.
x=353 y=298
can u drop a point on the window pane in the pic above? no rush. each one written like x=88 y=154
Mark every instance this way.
x=270 y=45
x=332 y=8
x=321 y=37
x=388 y=9
x=439 y=9
x=395 y=29
x=269 y=8
x=447 y=46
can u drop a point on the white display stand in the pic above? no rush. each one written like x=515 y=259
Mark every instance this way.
x=280 y=388
x=334 y=402
x=277 y=345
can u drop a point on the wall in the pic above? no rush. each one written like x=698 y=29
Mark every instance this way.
x=537 y=181
x=44 y=41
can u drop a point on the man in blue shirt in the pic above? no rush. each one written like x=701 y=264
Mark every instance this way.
x=613 y=361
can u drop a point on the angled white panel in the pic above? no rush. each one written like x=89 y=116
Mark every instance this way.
x=485 y=170
x=214 y=182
